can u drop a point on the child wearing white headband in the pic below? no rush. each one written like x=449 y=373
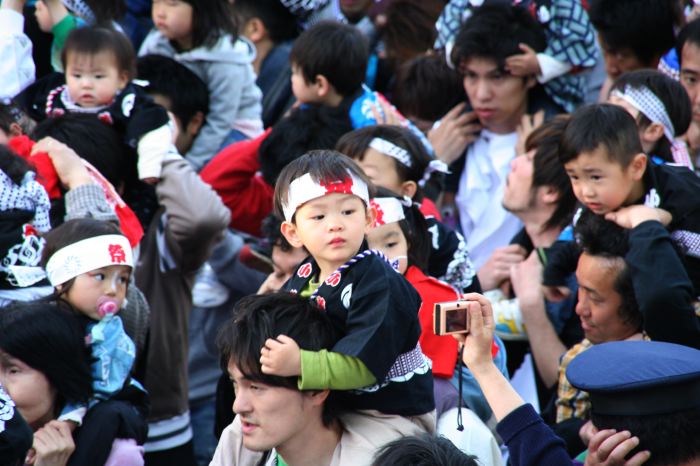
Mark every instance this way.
x=323 y=198
x=89 y=264
x=393 y=158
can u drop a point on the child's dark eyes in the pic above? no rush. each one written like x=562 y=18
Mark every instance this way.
x=317 y=217
x=99 y=276
x=391 y=245
x=348 y=211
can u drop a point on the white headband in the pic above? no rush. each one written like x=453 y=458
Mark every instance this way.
x=304 y=189
x=644 y=100
x=388 y=210
x=86 y=255
x=392 y=150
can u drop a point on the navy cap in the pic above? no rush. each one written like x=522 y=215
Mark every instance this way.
x=638 y=377
x=15 y=435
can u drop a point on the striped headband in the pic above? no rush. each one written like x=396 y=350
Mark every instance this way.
x=392 y=150
x=644 y=100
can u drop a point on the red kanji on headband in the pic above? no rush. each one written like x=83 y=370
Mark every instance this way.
x=379 y=214
x=304 y=270
x=117 y=253
x=338 y=186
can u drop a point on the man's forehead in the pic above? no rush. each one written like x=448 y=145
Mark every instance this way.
x=477 y=64
x=690 y=57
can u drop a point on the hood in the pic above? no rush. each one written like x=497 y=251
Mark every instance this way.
x=238 y=51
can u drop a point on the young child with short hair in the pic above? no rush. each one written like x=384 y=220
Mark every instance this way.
x=611 y=176
x=393 y=158
x=89 y=263
x=100 y=64
x=324 y=200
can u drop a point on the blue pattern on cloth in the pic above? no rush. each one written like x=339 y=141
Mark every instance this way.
x=570 y=39
x=114 y=353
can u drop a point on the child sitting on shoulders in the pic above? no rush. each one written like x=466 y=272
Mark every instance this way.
x=89 y=263
x=100 y=64
x=324 y=200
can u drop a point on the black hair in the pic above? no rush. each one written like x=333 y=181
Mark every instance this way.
x=93 y=140
x=280 y=23
x=409 y=30
x=321 y=165
x=671 y=94
x=337 y=51
x=10 y=113
x=259 y=317
x=495 y=32
x=414 y=229
x=690 y=33
x=548 y=170
x=602 y=238
x=427 y=88
x=187 y=93
x=211 y=20
x=607 y=126
x=51 y=340
x=91 y=40
x=670 y=438
x=106 y=11
x=270 y=229
x=423 y=450
x=311 y=127
x=71 y=232
x=12 y=165
x=646 y=27
x=355 y=143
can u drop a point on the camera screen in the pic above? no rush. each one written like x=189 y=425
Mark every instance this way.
x=456 y=320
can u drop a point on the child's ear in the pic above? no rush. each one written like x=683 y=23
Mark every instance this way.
x=255 y=30
x=638 y=166
x=195 y=124
x=371 y=215
x=652 y=133
x=550 y=194
x=323 y=86
x=123 y=79
x=409 y=188
x=290 y=233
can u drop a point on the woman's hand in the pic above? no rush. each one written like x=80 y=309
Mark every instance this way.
x=477 y=343
x=53 y=444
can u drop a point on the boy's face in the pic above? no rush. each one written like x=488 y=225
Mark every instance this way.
x=603 y=185
x=173 y=19
x=331 y=227
x=93 y=80
x=305 y=93
x=499 y=99
x=381 y=170
x=390 y=240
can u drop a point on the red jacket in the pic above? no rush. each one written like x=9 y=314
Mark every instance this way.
x=233 y=173
x=441 y=350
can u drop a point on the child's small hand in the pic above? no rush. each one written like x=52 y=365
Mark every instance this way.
x=528 y=124
x=523 y=64
x=281 y=356
x=68 y=165
x=631 y=216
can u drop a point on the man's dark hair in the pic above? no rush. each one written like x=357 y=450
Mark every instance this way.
x=690 y=33
x=427 y=88
x=337 y=51
x=602 y=238
x=354 y=144
x=422 y=450
x=670 y=438
x=259 y=317
x=548 y=170
x=671 y=94
x=410 y=28
x=12 y=165
x=187 y=93
x=321 y=165
x=607 y=126
x=280 y=23
x=91 y=40
x=93 y=140
x=106 y=12
x=51 y=340
x=211 y=20
x=646 y=27
x=495 y=32
x=311 y=127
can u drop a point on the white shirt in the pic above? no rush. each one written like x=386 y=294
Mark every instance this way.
x=486 y=225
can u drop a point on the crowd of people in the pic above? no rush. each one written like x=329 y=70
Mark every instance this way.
x=225 y=226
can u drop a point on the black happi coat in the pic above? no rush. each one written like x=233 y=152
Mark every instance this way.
x=375 y=312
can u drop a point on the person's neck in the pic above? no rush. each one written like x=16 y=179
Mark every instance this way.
x=262 y=50
x=637 y=193
x=332 y=99
x=299 y=451
x=534 y=222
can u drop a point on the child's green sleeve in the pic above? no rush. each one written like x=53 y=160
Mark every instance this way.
x=324 y=369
